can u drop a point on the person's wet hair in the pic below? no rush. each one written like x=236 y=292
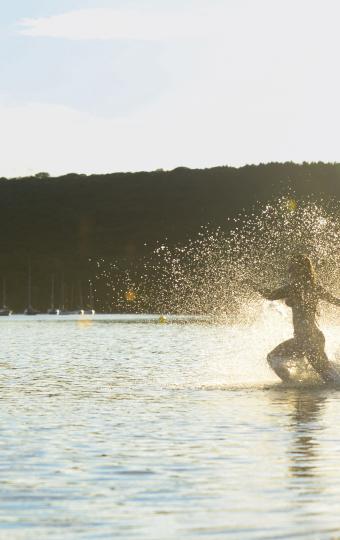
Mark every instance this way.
x=301 y=269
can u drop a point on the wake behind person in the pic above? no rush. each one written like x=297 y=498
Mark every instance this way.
x=302 y=294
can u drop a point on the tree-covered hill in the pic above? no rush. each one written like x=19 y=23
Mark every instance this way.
x=61 y=223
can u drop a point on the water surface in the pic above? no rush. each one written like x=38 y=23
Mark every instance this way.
x=123 y=427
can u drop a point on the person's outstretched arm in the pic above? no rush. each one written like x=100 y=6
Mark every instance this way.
x=277 y=294
x=328 y=297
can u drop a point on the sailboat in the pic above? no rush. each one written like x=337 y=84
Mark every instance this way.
x=4 y=310
x=63 y=310
x=80 y=310
x=84 y=310
x=90 y=310
x=52 y=310
x=30 y=310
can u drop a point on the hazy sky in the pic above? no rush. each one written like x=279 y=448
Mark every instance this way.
x=111 y=85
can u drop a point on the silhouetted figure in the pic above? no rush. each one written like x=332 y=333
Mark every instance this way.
x=302 y=294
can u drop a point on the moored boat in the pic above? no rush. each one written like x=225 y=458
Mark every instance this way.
x=52 y=310
x=4 y=310
x=30 y=310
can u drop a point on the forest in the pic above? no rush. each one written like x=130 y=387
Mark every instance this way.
x=80 y=228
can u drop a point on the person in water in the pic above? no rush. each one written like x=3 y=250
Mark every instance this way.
x=302 y=294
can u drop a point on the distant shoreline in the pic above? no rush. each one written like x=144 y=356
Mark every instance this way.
x=65 y=224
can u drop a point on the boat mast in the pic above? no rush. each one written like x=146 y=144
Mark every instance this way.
x=62 y=293
x=52 y=291
x=29 y=285
x=81 y=305
x=4 y=292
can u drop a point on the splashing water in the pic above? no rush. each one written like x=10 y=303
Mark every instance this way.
x=209 y=274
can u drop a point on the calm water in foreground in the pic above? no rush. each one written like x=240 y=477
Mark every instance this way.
x=122 y=427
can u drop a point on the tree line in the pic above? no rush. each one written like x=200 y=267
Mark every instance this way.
x=65 y=225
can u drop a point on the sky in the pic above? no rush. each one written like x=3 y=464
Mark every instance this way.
x=99 y=86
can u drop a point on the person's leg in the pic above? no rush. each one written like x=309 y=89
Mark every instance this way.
x=316 y=356
x=278 y=357
x=318 y=359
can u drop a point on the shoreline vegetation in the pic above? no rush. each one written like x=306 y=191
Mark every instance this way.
x=64 y=225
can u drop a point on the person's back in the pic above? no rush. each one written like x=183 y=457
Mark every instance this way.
x=304 y=303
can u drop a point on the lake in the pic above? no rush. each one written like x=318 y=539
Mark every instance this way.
x=130 y=427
